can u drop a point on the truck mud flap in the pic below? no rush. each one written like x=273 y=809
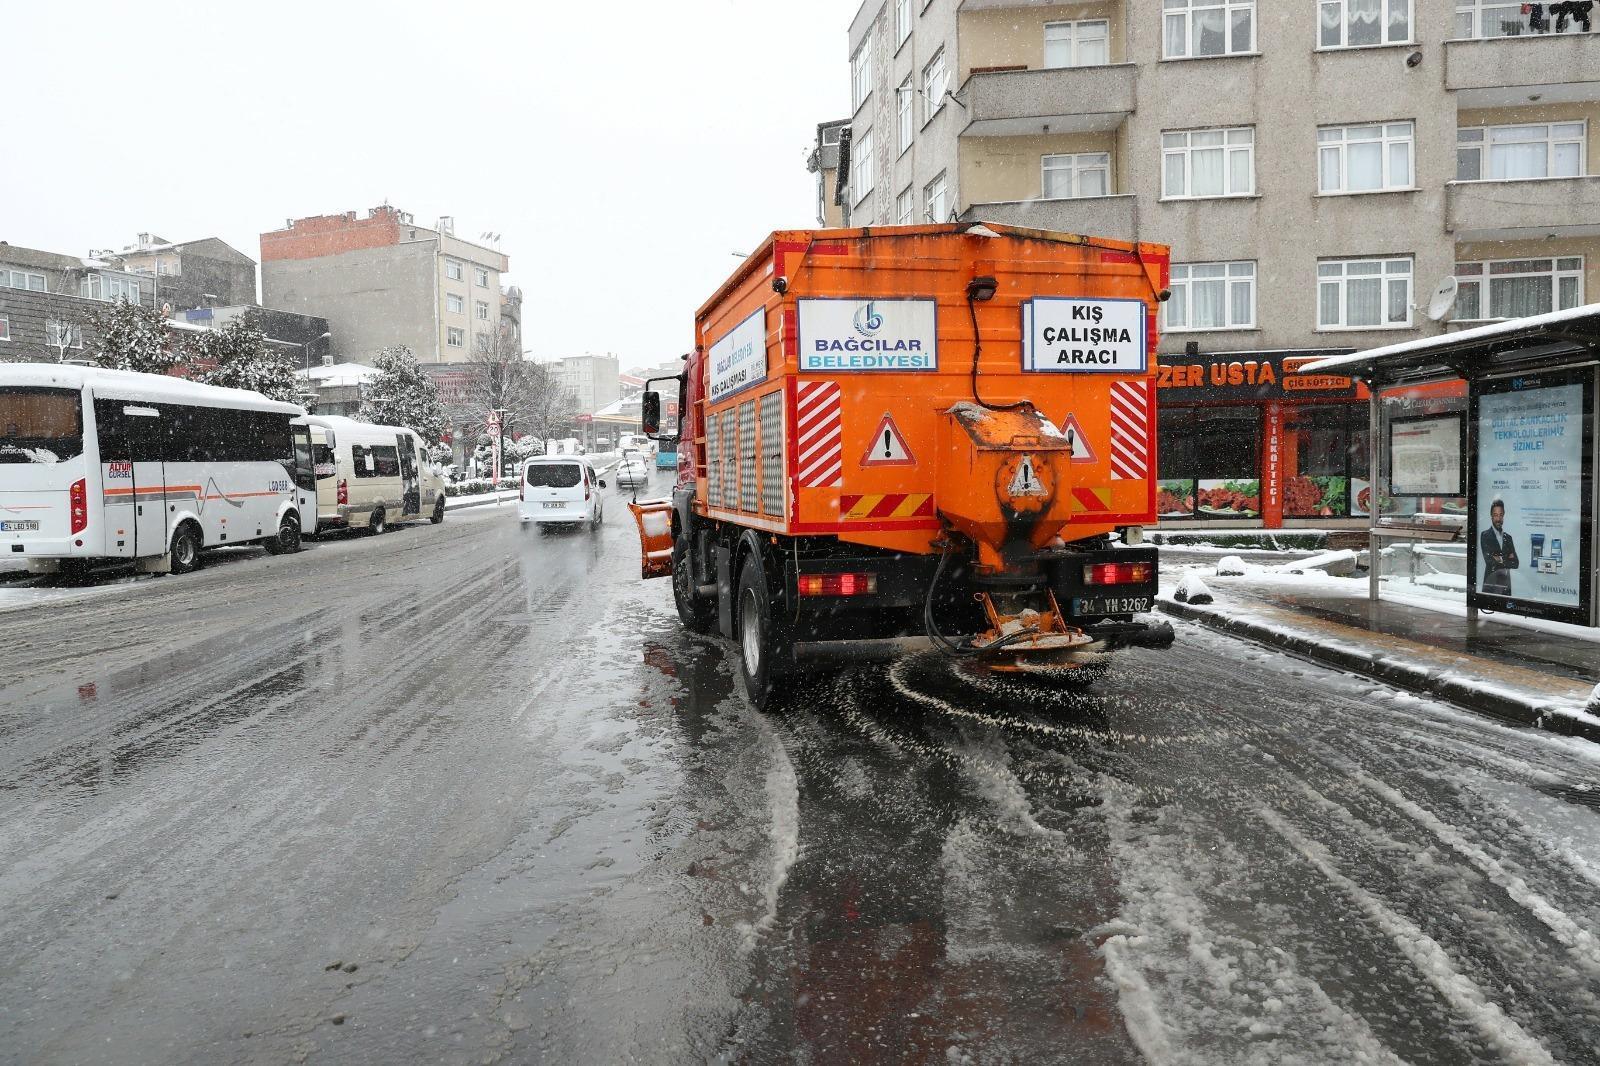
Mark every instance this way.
x=654 y=518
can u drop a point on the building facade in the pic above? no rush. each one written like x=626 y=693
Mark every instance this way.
x=1318 y=169
x=382 y=280
x=824 y=160
x=187 y=274
x=592 y=380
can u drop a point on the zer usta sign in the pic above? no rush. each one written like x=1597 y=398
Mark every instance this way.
x=1064 y=335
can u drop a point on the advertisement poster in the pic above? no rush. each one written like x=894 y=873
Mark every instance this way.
x=1175 y=498
x=1529 y=499
x=1317 y=496
x=1229 y=498
x=1425 y=456
x=1360 y=497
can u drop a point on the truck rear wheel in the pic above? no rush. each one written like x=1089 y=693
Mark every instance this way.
x=694 y=611
x=759 y=654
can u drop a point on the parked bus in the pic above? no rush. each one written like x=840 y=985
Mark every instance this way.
x=106 y=464
x=369 y=477
x=667 y=452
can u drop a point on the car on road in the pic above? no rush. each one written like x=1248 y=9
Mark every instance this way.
x=633 y=470
x=560 y=490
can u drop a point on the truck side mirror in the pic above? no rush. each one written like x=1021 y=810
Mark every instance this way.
x=650 y=413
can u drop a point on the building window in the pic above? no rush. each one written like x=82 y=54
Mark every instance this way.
x=22 y=279
x=861 y=168
x=830 y=136
x=5 y=329
x=127 y=288
x=91 y=287
x=1362 y=23
x=482 y=276
x=902 y=21
x=1364 y=158
x=453 y=269
x=1516 y=288
x=59 y=334
x=455 y=304
x=905 y=206
x=1205 y=163
x=1497 y=18
x=1212 y=296
x=1364 y=293
x=935 y=83
x=482 y=308
x=936 y=199
x=1517 y=153
x=904 y=102
x=1069 y=177
x=482 y=340
x=1077 y=44
x=1204 y=28
x=861 y=74
x=455 y=337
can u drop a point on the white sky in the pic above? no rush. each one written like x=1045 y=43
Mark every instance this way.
x=623 y=151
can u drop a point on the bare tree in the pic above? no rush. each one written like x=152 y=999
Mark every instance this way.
x=500 y=378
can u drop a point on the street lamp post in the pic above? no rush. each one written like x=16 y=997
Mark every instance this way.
x=305 y=349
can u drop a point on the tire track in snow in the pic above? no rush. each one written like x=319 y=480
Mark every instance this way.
x=1425 y=954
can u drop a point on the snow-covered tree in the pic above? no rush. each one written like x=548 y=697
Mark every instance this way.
x=402 y=395
x=237 y=356
x=132 y=337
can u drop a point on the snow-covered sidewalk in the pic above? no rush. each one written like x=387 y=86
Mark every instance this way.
x=1542 y=675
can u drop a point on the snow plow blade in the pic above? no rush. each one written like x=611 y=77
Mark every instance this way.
x=655 y=537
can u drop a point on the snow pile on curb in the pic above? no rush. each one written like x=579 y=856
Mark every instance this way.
x=1338 y=563
x=1231 y=566
x=1192 y=590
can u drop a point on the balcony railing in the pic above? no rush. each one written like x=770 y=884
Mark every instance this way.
x=1099 y=216
x=1487 y=20
x=1011 y=103
x=1533 y=209
x=1521 y=68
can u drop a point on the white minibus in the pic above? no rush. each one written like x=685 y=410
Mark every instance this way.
x=370 y=477
x=106 y=464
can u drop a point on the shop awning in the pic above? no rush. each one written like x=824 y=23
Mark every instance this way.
x=1539 y=341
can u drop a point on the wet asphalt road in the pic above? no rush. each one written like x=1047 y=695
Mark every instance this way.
x=468 y=794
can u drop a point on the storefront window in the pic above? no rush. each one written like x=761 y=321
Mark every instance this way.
x=1210 y=461
x=1322 y=454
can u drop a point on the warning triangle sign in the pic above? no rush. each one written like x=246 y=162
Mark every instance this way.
x=888 y=447
x=1081 y=452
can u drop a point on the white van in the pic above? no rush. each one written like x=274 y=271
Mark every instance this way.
x=370 y=477
x=560 y=490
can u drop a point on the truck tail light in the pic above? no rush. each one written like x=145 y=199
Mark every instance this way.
x=1118 y=574
x=838 y=584
x=344 y=491
x=79 y=501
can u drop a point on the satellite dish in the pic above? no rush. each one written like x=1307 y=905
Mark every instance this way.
x=1443 y=299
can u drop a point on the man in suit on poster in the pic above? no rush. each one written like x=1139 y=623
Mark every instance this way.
x=1499 y=553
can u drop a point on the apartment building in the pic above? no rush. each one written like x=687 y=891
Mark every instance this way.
x=383 y=280
x=1319 y=168
x=188 y=274
x=593 y=380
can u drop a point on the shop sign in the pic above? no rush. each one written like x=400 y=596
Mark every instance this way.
x=1247 y=376
x=739 y=358
x=1531 y=497
x=1064 y=335
x=1272 y=483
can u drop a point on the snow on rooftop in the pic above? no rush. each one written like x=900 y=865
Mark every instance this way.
x=340 y=374
x=1451 y=340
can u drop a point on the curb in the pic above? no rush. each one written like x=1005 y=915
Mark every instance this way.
x=1472 y=695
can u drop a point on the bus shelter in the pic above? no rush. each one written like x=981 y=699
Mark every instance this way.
x=1488 y=438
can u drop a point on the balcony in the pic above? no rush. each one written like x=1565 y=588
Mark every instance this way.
x=1546 y=68
x=1013 y=103
x=1523 y=210
x=1100 y=216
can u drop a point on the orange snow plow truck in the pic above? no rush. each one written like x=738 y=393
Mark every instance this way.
x=922 y=436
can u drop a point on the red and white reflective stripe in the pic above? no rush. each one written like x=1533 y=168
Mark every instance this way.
x=1130 y=430
x=820 y=433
